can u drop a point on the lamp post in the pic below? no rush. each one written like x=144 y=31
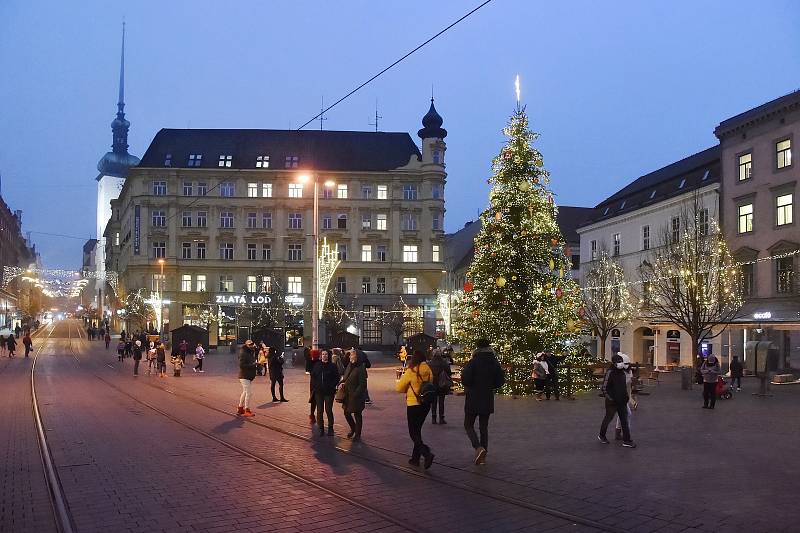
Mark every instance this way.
x=305 y=178
x=161 y=298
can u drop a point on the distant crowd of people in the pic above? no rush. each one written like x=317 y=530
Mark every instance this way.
x=138 y=345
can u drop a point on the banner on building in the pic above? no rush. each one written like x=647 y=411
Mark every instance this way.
x=137 y=229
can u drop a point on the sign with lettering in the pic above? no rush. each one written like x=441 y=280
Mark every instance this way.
x=137 y=229
x=764 y=315
x=242 y=299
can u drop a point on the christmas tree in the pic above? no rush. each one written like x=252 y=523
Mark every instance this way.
x=518 y=292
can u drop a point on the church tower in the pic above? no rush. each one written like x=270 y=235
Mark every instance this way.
x=113 y=169
x=432 y=135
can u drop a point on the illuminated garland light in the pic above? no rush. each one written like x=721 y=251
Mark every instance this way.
x=328 y=261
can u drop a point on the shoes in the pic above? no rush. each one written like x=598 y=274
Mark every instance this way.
x=322 y=431
x=603 y=439
x=311 y=419
x=330 y=431
x=617 y=434
x=414 y=461
x=711 y=407
x=202 y=371
x=240 y=410
x=434 y=420
x=442 y=421
x=629 y=444
x=738 y=389
x=480 y=457
x=194 y=369
x=248 y=413
x=428 y=460
x=284 y=400
x=275 y=399
x=368 y=401
x=706 y=407
x=350 y=434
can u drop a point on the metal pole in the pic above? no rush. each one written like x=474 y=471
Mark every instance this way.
x=315 y=270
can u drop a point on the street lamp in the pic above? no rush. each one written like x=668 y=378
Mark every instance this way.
x=305 y=178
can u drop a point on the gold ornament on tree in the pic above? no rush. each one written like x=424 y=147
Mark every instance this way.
x=501 y=282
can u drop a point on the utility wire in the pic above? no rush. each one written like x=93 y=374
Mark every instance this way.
x=343 y=98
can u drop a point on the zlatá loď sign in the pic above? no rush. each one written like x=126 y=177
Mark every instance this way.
x=242 y=299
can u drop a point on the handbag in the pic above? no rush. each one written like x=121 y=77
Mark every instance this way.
x=340 y=394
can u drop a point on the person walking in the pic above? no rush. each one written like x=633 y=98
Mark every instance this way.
x=161 y=359
x=632 y=397
x=615 y=392
x=339 y=360
x=324 y=380
x=151 y=358
x=12 y=346
x=137 y=356
x=552 y=386
x=710 y=371
x=17 y=330
x=199 y=355
x=127 y=350
x=737 y=371
x=364 y=359
x=354 y=385
x=481 y=376
x=183 y=349
x=275 y=366
x=247 y=373
x=107 y=338
x=410 y=383
x=311 y=362
x=540 y=375
x=3 y=345
x=120 y=350
x=27 y=343
x=262 y=360
x=440 y=368
x=177 y=364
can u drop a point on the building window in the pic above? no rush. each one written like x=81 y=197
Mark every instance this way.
x=266 y=252
x=327 y=193
x=785 y=274
x=748 y=279
x=159 y=188
x=295 y=221
x=295 y=190
x=187 y=188
x=266 y=190
x=380 y=253
x=341 y=191
x=202 y=188
x=366 y=252
x=366 y=192
x=226 y=251
x=116 y=238
x=195 y=160
x=380 y=285
x=383 y=192
x=202 y=219
x=157 y=283
x=227 y=189
x=186 y=250
x=436 y=191
x=409 y=285
x=252 y=284
x=226 y=219
x=168 y=160
x=702 y=222
x=226 y=283
x=437 y=156
x=262 y=161
x=291 y=161
x=675 y=229
x=435 y=257
x=327 y=222
x=252 y=253
x=617 y=239
x=341 y=221
x=341 y=251
x=294 y=285
x=266 y=220
x=201 y=250
x=225 y=161
x=653 y=194
x=380 y=222
x=372 y=329
x=645 y=237
x=186 y=219
x=252 y=190
x=409 y=191
x=409 y=222
x=436 y=221
x=366 y=285
x=594 y=250
x=200 y=283
x=252 y=220
x=366 y=221
x=266 y=284
x=745 y=218
x=295 y=252
x=159 y=250
x=186 y=282
x=409 y=253
x=159 y=219
x=784 y=153
x=784 y=205
x=745 y=166
x=341 y=284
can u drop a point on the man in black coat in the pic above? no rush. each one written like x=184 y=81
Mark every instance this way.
x=553 y=362
x=480 y=377
x=615 y=392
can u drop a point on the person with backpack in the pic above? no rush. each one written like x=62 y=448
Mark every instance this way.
x=441 y=378
x=615 y=392
x=247 y=373
x=540 y=375
x=417 y=384
x=137 y=356
x=710 y=370
x=27 y=343
x=352 y=395
x=737 y=371
x=324 y=380
x=481 y=376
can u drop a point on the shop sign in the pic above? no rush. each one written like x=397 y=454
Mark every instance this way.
x=242 y=299
x=295 y=299
x=137 y=229
x=764 y=315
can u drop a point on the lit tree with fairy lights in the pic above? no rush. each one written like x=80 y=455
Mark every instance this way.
x=606 y=298
x=518 y=294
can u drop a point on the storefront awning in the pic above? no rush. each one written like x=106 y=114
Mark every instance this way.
x=770 y=312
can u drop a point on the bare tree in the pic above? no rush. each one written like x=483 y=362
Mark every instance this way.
x=606 y=298
x=691 y=279
x=394 y=320
x=137 y=311
x=336 y=316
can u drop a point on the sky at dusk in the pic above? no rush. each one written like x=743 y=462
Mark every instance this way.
x=616 y=89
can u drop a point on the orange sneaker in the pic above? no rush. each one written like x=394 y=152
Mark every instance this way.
x=240 y=410
x=248 y=412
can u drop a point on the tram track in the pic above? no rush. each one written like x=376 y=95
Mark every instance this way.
x=557 y=513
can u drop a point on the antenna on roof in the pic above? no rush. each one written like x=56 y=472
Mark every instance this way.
x=377 y=116
x=322 y=113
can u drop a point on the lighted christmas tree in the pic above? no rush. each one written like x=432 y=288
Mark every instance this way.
x=518 y=292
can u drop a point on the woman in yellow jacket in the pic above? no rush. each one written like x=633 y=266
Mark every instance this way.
x=417 y=373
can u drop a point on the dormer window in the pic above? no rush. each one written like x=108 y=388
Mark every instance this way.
x=292 y=161
x=622 y=205
x=605 y=212
x=262 y=161
x=195 y=160
x=705 y=175
x=653 y=194
x=225 y=161
x=168 y=160
x=682 y=184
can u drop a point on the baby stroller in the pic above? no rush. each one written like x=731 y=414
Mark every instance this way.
x=723 y=390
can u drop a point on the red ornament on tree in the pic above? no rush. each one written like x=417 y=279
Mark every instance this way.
x=559 y=292
x=554 y=242
x=468 y=286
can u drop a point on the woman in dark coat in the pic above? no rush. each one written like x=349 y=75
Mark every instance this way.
x=737 y=371
x=275 y=365
x=481 y=376
x=354 y=384
x=324 y=380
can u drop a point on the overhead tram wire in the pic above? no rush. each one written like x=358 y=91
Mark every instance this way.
x=397 y=62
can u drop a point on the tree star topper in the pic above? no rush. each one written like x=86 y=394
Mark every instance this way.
x=516 y=87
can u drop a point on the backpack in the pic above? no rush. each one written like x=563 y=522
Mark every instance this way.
x=445 y=381
x=427 y=393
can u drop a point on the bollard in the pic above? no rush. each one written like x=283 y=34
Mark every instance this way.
x=687 y=376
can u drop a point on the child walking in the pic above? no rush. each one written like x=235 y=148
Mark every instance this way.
x=177 y=364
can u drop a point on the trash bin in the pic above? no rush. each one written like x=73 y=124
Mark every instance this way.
x=687 y=376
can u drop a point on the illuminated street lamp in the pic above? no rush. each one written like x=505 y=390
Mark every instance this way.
x=305 y=178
